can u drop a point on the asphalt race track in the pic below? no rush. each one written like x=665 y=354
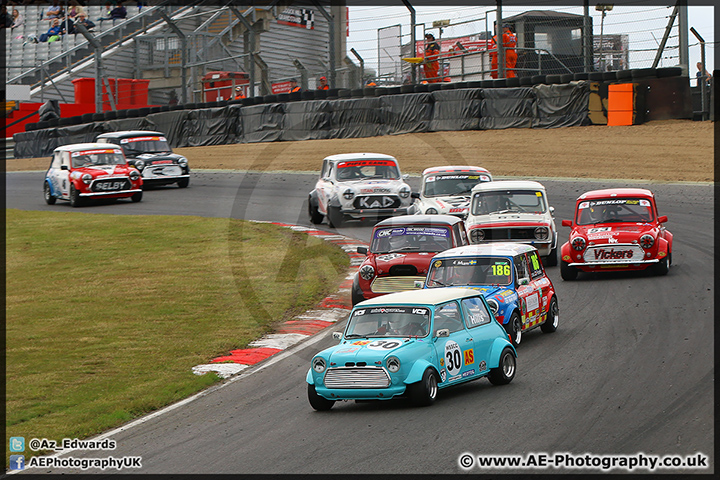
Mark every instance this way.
x=630 y=369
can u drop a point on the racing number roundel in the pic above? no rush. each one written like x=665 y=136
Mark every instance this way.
x=453 y=358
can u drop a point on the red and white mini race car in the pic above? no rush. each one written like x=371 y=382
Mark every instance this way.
x=400 y=252
x=616 y=229
x=85 y=171
x=446 y=190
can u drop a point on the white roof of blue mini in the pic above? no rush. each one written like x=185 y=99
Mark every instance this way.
x=508 y=185
x=74 y=147
x=487 y=250
x=433 y=296
x=359 y=156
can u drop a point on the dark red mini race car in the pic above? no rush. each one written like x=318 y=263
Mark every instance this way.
x=400 y=252
x=616 y=229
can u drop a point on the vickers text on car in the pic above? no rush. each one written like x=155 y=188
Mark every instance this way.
x=616 y=229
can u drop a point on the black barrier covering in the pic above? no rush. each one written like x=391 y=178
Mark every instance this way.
x=309 y=120
x=561 y=105
x=135 y=123
x=38 y=143
x=84 y=133
x=456 y=109
x=171 y=124
x=507 y=108
x=356 y=118
x=408 y=113
x=262 y=123
x=211 y=126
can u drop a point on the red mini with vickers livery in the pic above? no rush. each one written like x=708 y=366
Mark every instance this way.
x=616 y=229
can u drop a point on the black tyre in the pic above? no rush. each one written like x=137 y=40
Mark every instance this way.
x=551 y=260
x=424 y=392
x=514 y=329
x=136 y=197
x=319 y=403
x=315 y=216
x=567 y=272
x=335 y=217
x=505 y=371
x=183 y=182
x=75 y=200
x=662 y=267
x=49 y=199
x=553 y=317
x=356 y=294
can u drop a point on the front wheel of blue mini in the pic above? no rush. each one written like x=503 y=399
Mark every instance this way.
x=424 y=392
x=319 y=403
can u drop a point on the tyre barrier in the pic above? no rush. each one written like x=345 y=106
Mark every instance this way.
x=544 y=101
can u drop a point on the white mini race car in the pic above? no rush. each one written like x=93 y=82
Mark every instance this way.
x=513 y=211
x=446 y=190
x=359 y=185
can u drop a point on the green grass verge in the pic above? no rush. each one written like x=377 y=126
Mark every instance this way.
x=107 y=314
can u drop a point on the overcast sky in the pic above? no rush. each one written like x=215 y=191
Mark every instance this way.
x=365 y=21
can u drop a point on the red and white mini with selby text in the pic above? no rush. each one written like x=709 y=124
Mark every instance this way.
x=616 y=229
x=446 y=190
x=85 y=171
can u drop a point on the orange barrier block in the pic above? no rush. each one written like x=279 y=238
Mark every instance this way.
x=621 y=104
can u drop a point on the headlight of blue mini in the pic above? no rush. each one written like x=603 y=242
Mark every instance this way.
x=393 y=364
x=87 y=178
x=542 y=233
x=348 y=194
x=367 y=272
x=431 y=211
x=134 y=175
x=404 y=191
x=183 y=162
x=318 y=364
x=139 y=164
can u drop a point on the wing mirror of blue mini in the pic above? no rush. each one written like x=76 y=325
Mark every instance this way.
x=337 y=335
x=443 y=332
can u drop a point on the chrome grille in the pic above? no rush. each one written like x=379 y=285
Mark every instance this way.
x=395 y=284
x=357 y=377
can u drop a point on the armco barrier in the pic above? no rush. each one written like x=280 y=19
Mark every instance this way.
x=537 y=106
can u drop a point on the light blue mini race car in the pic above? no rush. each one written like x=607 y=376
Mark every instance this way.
x=413 y=344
